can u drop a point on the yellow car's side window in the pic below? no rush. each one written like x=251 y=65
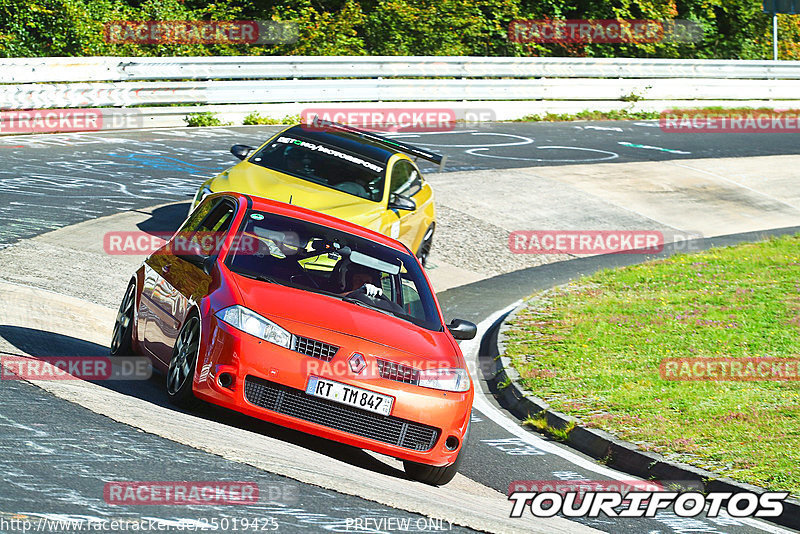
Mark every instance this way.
x=405 y=179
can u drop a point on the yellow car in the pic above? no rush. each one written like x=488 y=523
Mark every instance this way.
x=342 y=171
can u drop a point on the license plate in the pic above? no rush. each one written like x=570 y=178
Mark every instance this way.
x=350 y=395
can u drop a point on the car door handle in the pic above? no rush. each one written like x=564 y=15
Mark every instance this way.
x=165 y=268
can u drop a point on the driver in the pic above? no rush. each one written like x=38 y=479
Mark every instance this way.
x=294 y=160
x=359 y=276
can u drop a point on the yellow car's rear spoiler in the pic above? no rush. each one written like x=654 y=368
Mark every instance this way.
x=410 y=150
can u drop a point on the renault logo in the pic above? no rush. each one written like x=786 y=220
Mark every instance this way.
x=357 y=363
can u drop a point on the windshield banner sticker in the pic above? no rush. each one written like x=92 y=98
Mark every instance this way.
x=330 y=152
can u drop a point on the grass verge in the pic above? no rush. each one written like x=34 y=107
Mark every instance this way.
x=624 y=114
x=539 y=422
x=586 y=115
x=592 y=349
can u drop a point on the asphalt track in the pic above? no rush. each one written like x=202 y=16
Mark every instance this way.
x=57 y=455
x=50 y=181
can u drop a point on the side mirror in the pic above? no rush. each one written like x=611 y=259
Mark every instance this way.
x=399 y=202
x=208 y=264
x=462 y=329
x=241 y=151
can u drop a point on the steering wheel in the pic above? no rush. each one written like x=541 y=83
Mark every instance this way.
x=381 y=301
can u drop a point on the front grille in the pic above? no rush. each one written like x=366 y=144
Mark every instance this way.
x=314 y=348
x=398 y=372
x=296 y=403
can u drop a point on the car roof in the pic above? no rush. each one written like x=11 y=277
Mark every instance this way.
x=344 y=140
x=305 y=214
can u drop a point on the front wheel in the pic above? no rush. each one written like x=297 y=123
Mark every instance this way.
x=428 y=474
x=122 y=338
x=181 y=366
x=426 y=245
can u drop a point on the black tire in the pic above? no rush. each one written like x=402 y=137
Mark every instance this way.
x=426 y=245
x=182 y=364
x=428 y=474
x=122 y=338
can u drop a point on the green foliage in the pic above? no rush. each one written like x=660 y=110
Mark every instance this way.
x=441 y=27
x=733 y=28
x=633 y=97
x=205 y=118
x=539 y=422
x=256 y=118
x=322 y=32
x=586 y=115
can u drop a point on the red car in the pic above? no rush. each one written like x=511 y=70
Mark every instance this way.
x=307 y=321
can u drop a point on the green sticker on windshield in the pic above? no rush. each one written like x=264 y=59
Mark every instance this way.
x=257 y=216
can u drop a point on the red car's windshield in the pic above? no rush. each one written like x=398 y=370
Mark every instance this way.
x=317 y=258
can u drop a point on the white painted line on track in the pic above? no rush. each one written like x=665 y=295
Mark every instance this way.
x=601 y=128
x=471 y=350
x=417 y=134
x=650 y=147
x=524 y=141
x=613 y=155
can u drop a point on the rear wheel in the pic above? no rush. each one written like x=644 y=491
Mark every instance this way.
x=181 y=366
x=122 y=338
x=428 y=474
x=426 y=245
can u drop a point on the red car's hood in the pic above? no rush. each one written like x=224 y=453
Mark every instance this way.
x=278 y=302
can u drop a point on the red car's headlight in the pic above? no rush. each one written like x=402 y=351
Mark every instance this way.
x=252 y=323
x=445 y=379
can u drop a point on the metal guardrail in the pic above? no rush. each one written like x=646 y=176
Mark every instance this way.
x=109 y=81
x=118 y=69
x=35 y=96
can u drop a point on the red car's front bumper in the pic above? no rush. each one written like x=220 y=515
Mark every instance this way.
x=268 y=382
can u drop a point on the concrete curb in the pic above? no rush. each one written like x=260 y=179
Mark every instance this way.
x=619 y=454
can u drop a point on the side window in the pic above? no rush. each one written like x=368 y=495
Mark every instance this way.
x=193 y=222
x=406 y=179
x=219 y=219
x=411 y=300
x=386 y=286
x=207 y=226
